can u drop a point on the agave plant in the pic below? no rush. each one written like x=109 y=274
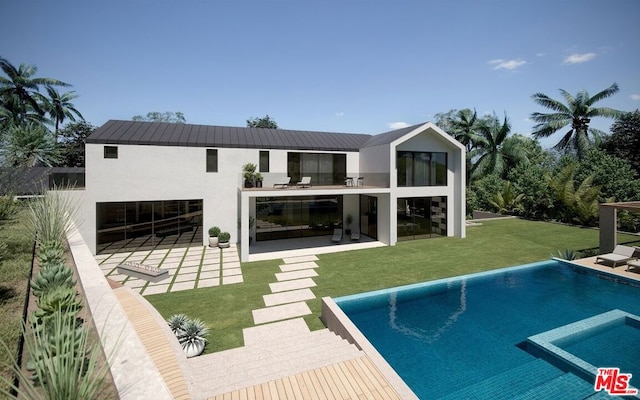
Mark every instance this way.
x=60 y=299
x=193 y=338
x=176 y=323
x=50 y=252
x=566 y=254
x=51 y=277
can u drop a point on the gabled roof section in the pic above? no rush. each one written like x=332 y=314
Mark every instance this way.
x=388 y=137
x=167 y=134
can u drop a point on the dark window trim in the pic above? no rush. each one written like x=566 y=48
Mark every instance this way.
x=262 y=167
x=212 y=168
x=110 y=151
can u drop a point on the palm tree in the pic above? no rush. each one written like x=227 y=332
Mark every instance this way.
x=19 y=82
x=495 y=151
x=577 y=113
x=59 y=106
x=28 y=145
x=465 y=126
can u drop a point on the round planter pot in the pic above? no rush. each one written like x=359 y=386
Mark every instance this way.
x=223 y=245
x=194 y=349
x=213 y=241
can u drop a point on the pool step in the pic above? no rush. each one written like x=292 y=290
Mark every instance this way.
x=565 y=386
x=233 y=369
x=511 y=383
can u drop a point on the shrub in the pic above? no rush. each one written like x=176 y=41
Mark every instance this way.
x=193 y=337
x=214 y=231
x=8 y=207
x=50 y=216
x=224 y=237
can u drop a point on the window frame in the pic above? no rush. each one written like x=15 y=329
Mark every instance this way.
x=262 y=167
x=211 y=156
x=110 y=152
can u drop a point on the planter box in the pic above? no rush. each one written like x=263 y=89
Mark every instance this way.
x=143 y=272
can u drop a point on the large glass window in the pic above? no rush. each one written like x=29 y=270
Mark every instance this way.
x=421 y=217
x=324 y=169
x=147 y=224
x=421 y=168
x=295 y=217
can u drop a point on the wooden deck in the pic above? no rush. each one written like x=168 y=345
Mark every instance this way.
x=155 y=341
x=350 y=380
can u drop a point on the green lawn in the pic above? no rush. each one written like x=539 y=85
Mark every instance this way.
x=494 y=244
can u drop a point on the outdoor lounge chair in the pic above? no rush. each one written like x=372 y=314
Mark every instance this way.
x=337 y=235
x=305 y=182
x=284 y=182
x=621 y=254
x=355 y=235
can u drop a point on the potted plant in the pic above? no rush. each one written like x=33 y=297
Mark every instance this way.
x=193 y=338
x=214 y=231
x=348 y=221
x=258 y=178
x=223 y=239
x=249 y=174
x=176 y=323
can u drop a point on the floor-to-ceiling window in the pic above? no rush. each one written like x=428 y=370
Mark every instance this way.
x=145 y=224
x=323 y=168
x=421 y=168
x=421 y=217
x=369 y=216
x=297 y=216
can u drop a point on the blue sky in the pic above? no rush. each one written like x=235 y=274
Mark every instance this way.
x=343 y=66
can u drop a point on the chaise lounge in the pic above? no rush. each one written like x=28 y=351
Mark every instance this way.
x=337 y=235
x=283 y=183
x=620 y=256
x=305 y=182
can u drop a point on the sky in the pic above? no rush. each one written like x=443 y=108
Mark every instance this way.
x=365 y=66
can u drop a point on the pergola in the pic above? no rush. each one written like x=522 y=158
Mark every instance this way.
x=609 y=220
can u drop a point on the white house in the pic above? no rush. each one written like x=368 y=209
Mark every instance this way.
x=158 y=184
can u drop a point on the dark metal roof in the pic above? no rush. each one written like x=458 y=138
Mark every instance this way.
x=166 y=134
x=388 y=137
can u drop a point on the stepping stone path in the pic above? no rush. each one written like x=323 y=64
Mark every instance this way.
x=289 y=293
x=189 y=268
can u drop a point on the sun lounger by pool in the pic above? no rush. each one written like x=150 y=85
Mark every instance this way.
x=284 y=182
x=337 y=235
x=305 y=182
x=620 y=256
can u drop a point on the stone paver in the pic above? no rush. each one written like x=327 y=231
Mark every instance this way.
x=209 y=274
x=230 y=265
x=275 y=330
x=287 y=276
x=292 y=285
x=186 y=277
x=291 y=296
x=155 y=289
x=292 y=260
x=183 y=286
x=211 y=282
x=227 y=280
x=281 y=312
x=298 y=266
x=232 y=271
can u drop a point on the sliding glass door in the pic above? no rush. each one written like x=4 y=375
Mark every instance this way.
x=421 y=217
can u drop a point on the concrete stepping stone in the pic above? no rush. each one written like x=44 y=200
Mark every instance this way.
x=291 y=296
x=298 y=266
x=292 y=285
x=183 y=286
x=232 y=271
x=227 y=280
x=293 y=260
x=277 y=313
x=208 y=282
x=257 y=335
x=287 y=276
x=155 y=289
x=186 y=277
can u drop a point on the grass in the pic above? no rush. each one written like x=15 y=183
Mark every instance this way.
x=494 y=244
x=14 y=273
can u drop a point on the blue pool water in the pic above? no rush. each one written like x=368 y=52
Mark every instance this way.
x=464 y=337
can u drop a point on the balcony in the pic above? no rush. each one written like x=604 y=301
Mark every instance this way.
x=353 y=181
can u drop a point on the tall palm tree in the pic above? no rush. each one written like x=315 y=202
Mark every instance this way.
x=59 y=106
x=576 y=113
x=464 y=127
x=19 y=82
x=495 y=150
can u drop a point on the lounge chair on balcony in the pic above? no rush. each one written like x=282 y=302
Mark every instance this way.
x=621 y=254
x=337 y=235
x=305 y=182
x=283 y=183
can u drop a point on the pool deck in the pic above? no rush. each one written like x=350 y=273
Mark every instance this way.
x=620 y=270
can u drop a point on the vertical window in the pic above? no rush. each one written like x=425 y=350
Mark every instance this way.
x=212 y=160
x=110 y=151
x=264 y=161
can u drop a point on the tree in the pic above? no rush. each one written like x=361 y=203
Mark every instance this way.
x=59 y=106
x=577 y=114
x=613 y=174
x=29 y=145
x=264 y=122
x=167 y=116
x=495 y=151
x=20 y=86
x=71 y=143
x=624 y=141
x=507 y=201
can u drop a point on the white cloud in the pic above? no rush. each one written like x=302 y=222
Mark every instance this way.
x=339 y=114
x=635 y=96
x=397 y=125
x=578 y=58
x=508 y=64
x=539 y=54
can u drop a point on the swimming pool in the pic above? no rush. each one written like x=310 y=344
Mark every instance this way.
x=466 y=337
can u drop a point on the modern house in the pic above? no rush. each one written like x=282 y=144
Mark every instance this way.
x=152 y=184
